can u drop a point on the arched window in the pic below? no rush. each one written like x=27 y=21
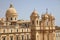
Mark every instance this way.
x=11 y=37
x=32 y=22
x=47 y=22
x=22 y=37
x=26 y=25
x=17 y=38
x=27 y=29
x=4 y=38
x=4 y=30
x=37 y=21
x=11 y=18
x=22 y=30
x=11 y=30
x=17 y=30
x=15 y=18
x=27 y=37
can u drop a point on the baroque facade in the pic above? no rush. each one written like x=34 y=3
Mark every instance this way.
x=33 y=29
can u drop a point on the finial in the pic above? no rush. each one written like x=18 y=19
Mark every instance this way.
x=46 y=10
x=11 y=5
x=34 y=9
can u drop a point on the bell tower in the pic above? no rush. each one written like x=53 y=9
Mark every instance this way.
x=34 y=18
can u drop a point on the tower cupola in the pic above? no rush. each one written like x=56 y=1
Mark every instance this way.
x=11 y=13
x=34 y=14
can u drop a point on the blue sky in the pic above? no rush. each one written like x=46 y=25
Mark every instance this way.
x=24 y=8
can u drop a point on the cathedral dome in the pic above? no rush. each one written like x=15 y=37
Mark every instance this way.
x=11 y=11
